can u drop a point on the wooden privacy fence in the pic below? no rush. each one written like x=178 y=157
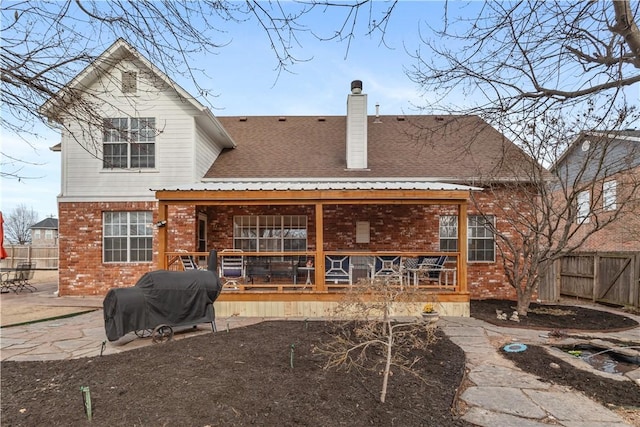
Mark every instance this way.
x=607 y=277
x=45 y=257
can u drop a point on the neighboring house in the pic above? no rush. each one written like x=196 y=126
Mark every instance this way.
x=313 y=202
x=602 y=171
x=45 y=232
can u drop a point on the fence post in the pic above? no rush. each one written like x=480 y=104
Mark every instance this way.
x=596 y=277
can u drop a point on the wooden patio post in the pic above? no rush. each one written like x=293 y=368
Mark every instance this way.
x=319 y=261
x=462 y=246
x=163 y=210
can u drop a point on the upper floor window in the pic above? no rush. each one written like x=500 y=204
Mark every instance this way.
x=609 y=195
x=48 y=234
x=480 y=238
x=129 y=142
x=127 y=237
x=584 y=207
x=270 y=233
x=129 y=82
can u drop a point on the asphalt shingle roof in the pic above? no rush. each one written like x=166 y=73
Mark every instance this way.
x=446 y=148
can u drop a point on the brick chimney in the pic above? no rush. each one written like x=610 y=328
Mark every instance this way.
x=356 y=127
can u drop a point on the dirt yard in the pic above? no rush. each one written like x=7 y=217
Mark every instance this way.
x=271 y=374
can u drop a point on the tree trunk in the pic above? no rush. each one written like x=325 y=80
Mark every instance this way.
x=524 y=300
x=627 y=28
x=387 y=366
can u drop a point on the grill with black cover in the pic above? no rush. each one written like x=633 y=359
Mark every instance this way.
x=173 y=298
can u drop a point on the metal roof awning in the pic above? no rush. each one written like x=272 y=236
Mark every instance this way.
x=319 y=185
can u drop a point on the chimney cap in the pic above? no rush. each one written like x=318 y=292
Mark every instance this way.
x=356 y=86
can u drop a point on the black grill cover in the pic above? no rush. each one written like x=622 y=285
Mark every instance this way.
x=174 y=298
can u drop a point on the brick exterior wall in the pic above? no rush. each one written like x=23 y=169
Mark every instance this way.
x=622 y=234
x=392 y=227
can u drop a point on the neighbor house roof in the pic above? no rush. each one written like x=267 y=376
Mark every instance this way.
x=46 y=224
x=463 y=149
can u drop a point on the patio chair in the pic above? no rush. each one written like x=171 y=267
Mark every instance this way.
x=430 y=267
x=9 y=280
x=188 y=262
x=232 y=268
x=388 y=268
x=337 y=269
x=23 y=275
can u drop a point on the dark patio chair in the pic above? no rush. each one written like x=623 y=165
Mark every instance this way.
x=24 y=274
x=9 y=279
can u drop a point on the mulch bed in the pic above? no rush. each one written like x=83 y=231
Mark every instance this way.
x=244 y=377
x=237 y=378
x=546 y=316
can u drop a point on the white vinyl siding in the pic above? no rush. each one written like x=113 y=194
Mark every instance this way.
x=85 y=178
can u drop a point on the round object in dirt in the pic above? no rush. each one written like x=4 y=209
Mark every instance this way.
x=514 y=348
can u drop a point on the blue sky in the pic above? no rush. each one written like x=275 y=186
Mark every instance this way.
x=243 y=78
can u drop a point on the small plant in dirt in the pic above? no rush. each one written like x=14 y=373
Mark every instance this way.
x=369 y=336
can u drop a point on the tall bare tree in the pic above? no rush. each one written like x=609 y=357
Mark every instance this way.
x=534 y=54
x=542 y=72
x=17 y=224
x=549 y=216
x=45 y=44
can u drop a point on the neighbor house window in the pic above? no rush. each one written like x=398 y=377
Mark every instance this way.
x=480 y=238
x=48 y=234
x=129 y=143
x=583 y=200
x=270 y=233
x=36 y=234
x=129 y=82
x=127 y=237
x=609 y=195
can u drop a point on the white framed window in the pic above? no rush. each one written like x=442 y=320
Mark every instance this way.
x=481 y=241
x=609 y=195
x=270 y=233
x=48 y=234
x=36 y=234
x=127 y=237
x=583 y=200
x=129 y=143
x=449 y=233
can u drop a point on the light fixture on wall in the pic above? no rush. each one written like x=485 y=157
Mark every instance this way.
x=162 y=223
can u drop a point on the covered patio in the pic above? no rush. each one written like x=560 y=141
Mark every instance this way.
x=292 y=249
